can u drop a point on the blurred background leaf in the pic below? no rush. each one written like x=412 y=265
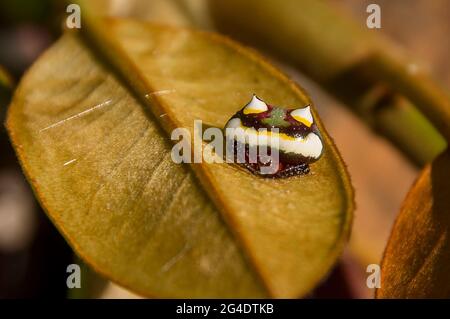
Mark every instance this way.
x=362 y=68
x=416 y=263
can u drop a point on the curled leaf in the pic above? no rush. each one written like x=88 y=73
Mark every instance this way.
x=416 y=262
x=102 y=169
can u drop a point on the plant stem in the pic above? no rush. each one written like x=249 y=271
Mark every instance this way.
x=354 y=64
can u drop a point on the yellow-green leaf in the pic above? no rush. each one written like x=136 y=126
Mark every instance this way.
x=102 y=169
x=416 y=263
x=363 y=69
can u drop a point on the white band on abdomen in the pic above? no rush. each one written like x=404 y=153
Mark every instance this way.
x=308 y=146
